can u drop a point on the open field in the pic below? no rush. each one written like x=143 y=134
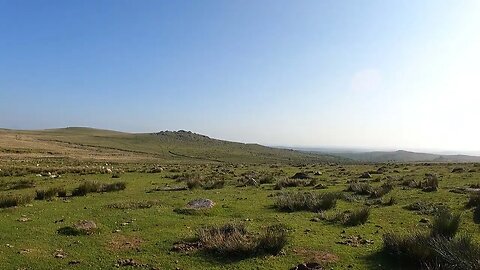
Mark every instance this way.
x=142 y=220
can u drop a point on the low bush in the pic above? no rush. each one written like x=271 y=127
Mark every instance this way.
x=391 y=201
x=378 y=192
x=233 y=240
x=23 y=184
x=360 y=188
x=214 y=184
x=86 y=187
x=117 y=186
x=93 y=187
x=14 y=200
x=357 y=217
x=437 y=249
x=47 y=194
x=294 y=182
x=425 y=208
x=306 y=201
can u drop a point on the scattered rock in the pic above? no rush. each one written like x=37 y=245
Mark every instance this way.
x=365 y=175
x=24 y=219
x=59 y=254
x=200 y=204
x=308 y=266
x=129 y=262
x=25 y=251
x=186 y=246
x=317 y=173
x=85 y=226
x=458 y=170
x=355 y=241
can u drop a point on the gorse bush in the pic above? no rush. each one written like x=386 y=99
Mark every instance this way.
x=306 y=201
x=14 y=200
x=233 y=240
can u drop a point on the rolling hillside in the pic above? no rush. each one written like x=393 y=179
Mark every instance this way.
x=166 y=146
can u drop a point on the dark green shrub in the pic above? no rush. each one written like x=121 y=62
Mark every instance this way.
x=413 y=249
x=456 y=254
x=445 y=224
x=476 y=215
x=474 y=200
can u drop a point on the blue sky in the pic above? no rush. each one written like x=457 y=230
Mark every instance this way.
x=374 y=74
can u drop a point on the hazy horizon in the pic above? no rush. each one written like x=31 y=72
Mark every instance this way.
x=319 y=74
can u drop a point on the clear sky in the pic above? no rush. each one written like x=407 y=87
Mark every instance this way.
x=353 y=73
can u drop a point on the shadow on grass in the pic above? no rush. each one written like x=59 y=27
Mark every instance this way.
x=70 y=231
x=382 y=260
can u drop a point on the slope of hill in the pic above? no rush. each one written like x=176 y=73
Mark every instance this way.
x=406 y=156
x=166 y=146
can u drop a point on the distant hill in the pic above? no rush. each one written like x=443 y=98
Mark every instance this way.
x=78 y=143
x=405 y=156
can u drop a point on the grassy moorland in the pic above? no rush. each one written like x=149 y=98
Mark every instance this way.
x=280 y=208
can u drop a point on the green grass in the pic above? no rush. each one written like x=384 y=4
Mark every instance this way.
x=148 y=220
